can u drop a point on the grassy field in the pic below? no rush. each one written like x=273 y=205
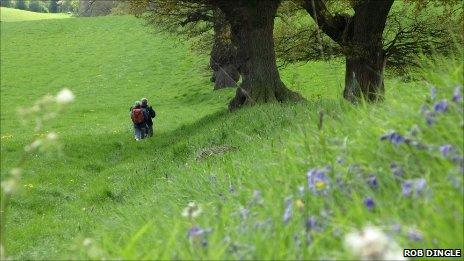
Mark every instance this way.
x=106 y=196
x=15 y=15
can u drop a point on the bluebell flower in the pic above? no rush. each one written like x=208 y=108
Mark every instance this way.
x=457 y=95
x=369 y=203
x=312 y=224
x=396 y=169
x=429 y=115
x=414 y=186
x=396 y=228
x=394 y=137
x=440 y=106
x=288 y=209
x=318 y=180
x=197 y=236
x=415 y=235
x=372 y=181
x=446 y=150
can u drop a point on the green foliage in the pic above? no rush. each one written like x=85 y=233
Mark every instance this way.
x=6 y=3
x=21 y=4
x=53 y=6
x=38 y=6
x=110 y=197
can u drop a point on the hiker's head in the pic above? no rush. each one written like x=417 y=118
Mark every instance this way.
x=144 y=101
x=137 y=104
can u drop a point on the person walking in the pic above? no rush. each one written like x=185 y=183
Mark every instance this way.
x=150 y=112
x=139 y=116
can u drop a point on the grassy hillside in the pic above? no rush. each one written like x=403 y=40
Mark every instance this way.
x=15 y=15
x=108 y=196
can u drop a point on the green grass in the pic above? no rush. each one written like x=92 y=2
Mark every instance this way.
x=16 y=15
x=127 y=196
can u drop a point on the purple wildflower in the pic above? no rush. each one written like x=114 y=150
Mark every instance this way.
x=446 y=150
x=396 y=228
x=197 y=236
x=312 y=224
x=457 y=96
x=433 y=92
x=195 y=231
x=440 y=106
x=394 y=137
x=416 y=186
x=372 y=181
x=429 y=115
x=318 y=180
x=415 y=235
x=369 y=203
x=288 y=209
x=396 y=169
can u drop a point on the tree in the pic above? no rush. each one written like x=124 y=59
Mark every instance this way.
x=96 y=7
x=251 y=33
x=68 y=6
x=5 y=3
x=367 y=42
x=21 y=4
x=37 y=6
x=203 y=25
x=252 y=25
x=360 y=36
x=53 y=7
x=223 y=58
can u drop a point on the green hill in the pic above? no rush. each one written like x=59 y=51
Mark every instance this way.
x=16 y=15
x=106 y=195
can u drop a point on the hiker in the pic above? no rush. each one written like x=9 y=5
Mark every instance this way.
x=139 y=117
x=151 y=114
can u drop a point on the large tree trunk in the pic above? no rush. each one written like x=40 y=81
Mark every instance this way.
x=364 y=76
x=252 y=24
x=223 y=55
x=365 y=58
x=360 y=36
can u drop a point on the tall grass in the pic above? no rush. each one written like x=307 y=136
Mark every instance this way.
x=110 y=197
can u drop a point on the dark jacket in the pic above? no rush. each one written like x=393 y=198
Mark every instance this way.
x=150 y=113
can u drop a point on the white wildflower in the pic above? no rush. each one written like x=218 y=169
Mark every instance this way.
x=9 y=186
x=52 y=136
x=87 y=242
x=192 y=210
x=372 y=243
x=65 y=96
x=33 y=146
x=16 y=172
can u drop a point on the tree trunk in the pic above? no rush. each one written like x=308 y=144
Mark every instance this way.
x=223 y=55
x=360 y=37
x=365 y=57
x=364 y=76
x=252 y=24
